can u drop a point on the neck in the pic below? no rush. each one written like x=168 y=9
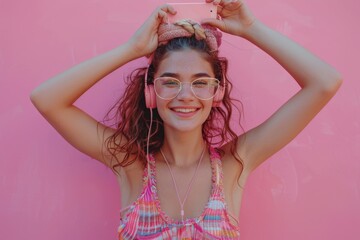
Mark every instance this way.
x=183 y=149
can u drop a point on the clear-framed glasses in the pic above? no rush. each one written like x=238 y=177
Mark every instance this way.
x=203 y=88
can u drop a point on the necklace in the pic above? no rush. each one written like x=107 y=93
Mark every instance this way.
x=182 y=213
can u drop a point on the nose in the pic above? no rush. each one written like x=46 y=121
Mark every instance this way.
x=185 y=92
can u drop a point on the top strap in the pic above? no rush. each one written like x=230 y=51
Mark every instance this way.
x=216 y=166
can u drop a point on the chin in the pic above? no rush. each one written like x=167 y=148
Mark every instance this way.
x=184 y=127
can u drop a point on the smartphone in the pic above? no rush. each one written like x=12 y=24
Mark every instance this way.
x=193 y=11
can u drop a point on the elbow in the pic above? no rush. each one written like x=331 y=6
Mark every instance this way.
x=334 y=83
x=37 y=100
x=330 y=84
x=34 y=97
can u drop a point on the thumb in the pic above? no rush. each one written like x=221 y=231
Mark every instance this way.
x=214 y=22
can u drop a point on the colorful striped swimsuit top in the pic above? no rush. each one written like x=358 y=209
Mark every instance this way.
x=144 y=219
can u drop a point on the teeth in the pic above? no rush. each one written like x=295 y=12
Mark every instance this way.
x=185 y=110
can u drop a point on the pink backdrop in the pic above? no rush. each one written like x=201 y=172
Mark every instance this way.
x=48 y=190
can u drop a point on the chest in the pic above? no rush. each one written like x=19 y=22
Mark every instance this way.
x=183 y=190
x=195 y=194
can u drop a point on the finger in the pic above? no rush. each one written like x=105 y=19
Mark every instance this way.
x=162 y=16
x=223 y=3
x=232 y=2
x=215 y=2
x=168 y=9
x=214 y=22
x=218 y=2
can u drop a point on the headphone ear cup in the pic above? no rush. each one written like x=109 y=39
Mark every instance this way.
x=150 y=96
x=218 y=97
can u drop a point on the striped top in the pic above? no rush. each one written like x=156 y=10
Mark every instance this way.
x=144 y=219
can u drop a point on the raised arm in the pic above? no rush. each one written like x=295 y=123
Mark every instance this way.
x=318 y=81
x=55 y=98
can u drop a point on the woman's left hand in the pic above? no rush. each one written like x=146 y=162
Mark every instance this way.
x=236 y=17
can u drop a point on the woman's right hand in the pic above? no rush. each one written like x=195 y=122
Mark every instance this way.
x=145 y=39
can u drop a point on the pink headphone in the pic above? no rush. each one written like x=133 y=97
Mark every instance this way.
x=150 y=95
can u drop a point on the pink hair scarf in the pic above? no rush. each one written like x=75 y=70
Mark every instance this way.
x=189 y=28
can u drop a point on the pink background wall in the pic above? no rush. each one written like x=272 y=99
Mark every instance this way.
x=48 y=190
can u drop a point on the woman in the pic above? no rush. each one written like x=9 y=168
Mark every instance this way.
x=174 y=184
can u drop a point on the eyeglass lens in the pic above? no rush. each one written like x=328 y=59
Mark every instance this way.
x=169 y=88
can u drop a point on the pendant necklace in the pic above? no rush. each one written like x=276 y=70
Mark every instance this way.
x=182 y=213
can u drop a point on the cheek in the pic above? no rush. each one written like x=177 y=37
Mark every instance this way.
x=208 y=108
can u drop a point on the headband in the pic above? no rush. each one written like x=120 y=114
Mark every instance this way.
x=188 y=28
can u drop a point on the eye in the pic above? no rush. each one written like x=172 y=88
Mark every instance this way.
x=199 y=83
x=169 y=82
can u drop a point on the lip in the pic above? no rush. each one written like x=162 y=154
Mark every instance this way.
x=185 y=114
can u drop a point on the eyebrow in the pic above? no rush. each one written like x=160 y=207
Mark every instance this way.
x=176 y=75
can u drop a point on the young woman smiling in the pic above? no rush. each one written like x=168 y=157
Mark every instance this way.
x=180 y=166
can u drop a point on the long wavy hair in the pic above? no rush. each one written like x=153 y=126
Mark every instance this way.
x=133 y=118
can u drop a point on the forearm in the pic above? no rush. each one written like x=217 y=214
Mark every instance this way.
x=64 y=89
x=307 y=69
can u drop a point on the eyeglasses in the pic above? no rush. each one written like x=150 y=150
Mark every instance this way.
x=203 y=88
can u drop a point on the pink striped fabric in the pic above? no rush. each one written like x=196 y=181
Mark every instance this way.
x=144 y=219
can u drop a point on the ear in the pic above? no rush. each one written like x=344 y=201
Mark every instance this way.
x=150 y=96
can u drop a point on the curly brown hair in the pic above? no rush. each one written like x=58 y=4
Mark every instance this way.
x=133 y=118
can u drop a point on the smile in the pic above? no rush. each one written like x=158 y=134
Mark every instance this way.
x=184 y=110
